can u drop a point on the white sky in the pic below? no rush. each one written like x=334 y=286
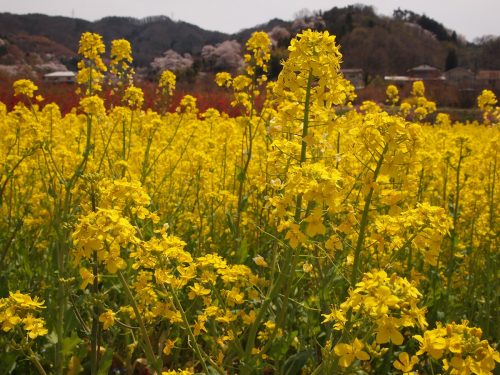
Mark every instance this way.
x=469 y=18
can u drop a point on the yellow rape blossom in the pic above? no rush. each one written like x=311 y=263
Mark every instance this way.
x=392 y=94
x=432 y=342
x=187 y=105
x=418 y=88
x=169 y=345
x=87 y=277
x=167 y=82
x=107 y=318
x=487 y=100
x=387 y=330
x=24 y=87
x=259 y=45
x=260 y=261
x=93 y=105
x=91 y=48
x=350 y=352
x=34 y=326
x=404 y=363
x=18 y=309
x=121 y=54
x=223 y=79
x=197 y=290
x=133 y=97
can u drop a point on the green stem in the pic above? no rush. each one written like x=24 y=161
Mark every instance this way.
x=191 y=335
x=291 y=255
x=260 y=314
x=454 y=231
x=124 y=139
x=94 y=363
x=34 y=359
x=152 y=360
x=364 y=220
x=318 y=369
x=303 y=149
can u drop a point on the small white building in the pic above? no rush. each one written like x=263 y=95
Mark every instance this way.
x=426 y=73
x=60 y=77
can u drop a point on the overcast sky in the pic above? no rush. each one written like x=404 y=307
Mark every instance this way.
x=469 y=18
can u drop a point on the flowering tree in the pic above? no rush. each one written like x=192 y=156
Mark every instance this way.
x=224 y=56
x=173 y=61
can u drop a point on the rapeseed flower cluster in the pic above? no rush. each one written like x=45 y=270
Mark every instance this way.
x=121 y=58
x=460 y=349
x=24 y=87
x=392 y=93
x=20 y=310
x=91 y=68
x=417 y=107
x=167 y=82
x=487 y=102
x=389 y=303
x=259 y=45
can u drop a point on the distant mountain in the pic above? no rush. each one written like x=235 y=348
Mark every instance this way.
x=379 y=45
x=150 y=37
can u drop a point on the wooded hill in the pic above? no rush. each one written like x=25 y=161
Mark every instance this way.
x=378 y=44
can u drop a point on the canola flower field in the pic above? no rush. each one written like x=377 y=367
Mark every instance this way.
x=305 y=236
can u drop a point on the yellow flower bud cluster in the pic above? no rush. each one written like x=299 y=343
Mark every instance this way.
x=167 y=83
x=418 y=106
x=423 y=227
x=392 y=94
x=259 y=45
x=91 y=48
x=487 y=102
x=93 y=105
x=91 y=67
x=314 y=60
x=133 y=97
x=24 y=87
x=105 y=232
x=121 y=58
x=187 y=105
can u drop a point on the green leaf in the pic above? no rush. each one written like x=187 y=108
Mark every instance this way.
x=52 y=337
x=296 y=362
x=240 y=175
x=105 y=363
x=244 y=203
x=69 y=344
x=243 y=251
x=230 y=222
x=9 y=362
x=212 y=371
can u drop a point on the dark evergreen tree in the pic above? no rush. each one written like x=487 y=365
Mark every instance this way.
x=451 y=59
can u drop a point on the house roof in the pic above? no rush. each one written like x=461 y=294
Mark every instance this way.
x=459 y=69
x=351 y=70
x=60 y=74
x=398 y=78
x=424 y=67
x=488 y=74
